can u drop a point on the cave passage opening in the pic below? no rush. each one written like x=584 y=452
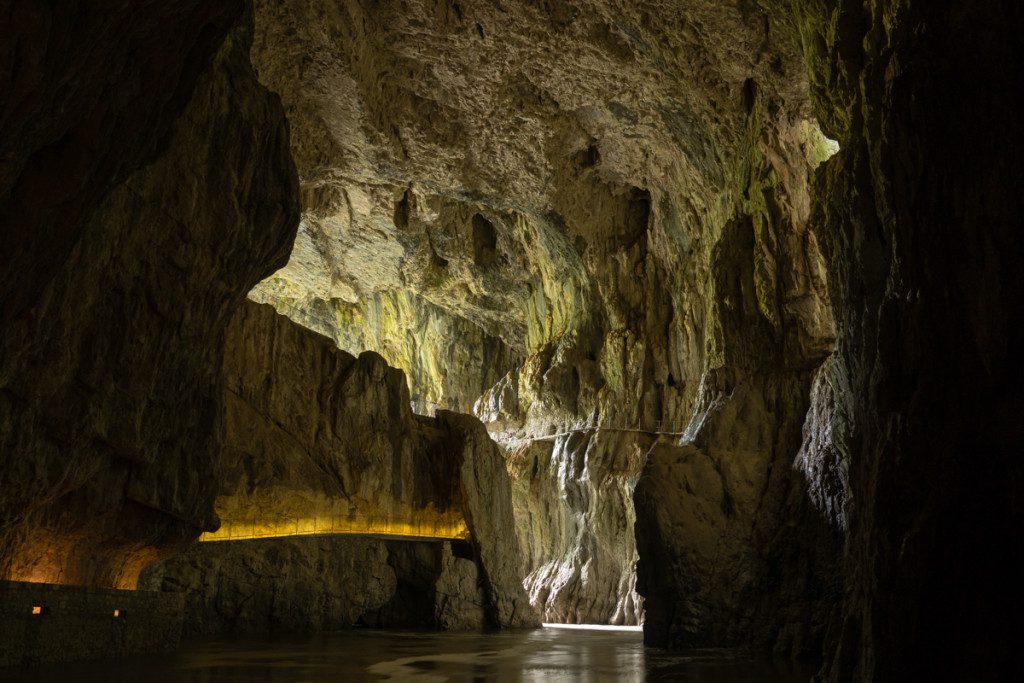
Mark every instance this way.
x=599 y=297
x=456 y=315
x=566 y=297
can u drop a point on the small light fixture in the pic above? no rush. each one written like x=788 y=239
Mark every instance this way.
x=119 y=614
x=38 y=610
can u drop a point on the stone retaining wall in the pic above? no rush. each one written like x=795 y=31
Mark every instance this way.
x=51 y=623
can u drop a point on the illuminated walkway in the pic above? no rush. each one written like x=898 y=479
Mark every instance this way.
x=449 y=526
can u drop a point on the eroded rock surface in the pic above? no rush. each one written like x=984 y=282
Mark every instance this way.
x=313 y=432
x=573 y=497
x=297 y=585
x=110 y=357
x=617 y=202
x=721 y=559
x=561 y=177
x=317 y=436
x=78 y=117
x=449 y=361
x=919 y=215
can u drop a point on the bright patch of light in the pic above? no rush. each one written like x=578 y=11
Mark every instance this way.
x=595 y=627
x=831 y=146
x=434 y=526
x=820 y=147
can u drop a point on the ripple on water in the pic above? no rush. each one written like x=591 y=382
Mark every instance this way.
x=548 y=654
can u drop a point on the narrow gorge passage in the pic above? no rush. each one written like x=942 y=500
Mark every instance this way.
x=385 y=340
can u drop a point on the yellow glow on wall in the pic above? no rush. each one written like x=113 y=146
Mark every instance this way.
x=34 y=576
x=39 y=561
x=449 y=526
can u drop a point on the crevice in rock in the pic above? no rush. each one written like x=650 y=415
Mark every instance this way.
x=485 y=242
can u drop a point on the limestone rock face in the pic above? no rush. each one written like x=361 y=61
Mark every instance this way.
x=617 y=223
x=296 y=585
x=460 y=603
x=79 y=116
x=449 y=361
x=560 y=178
x=730 y=550
x=573 y=498
x=318 y=441
x=434 y=589
x=313 y=432
x=112 y=338
x=487 y=505
x=920 y=222
x=721 y=560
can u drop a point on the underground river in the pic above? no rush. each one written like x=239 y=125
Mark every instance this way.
x=547 y=654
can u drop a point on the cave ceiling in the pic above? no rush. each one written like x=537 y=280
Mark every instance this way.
x=488 y=161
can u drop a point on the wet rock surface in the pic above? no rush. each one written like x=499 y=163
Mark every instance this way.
x=573 y=498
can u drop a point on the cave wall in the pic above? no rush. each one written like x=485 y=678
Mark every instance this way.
x=653 y=264
x=313 y=432
x=554 y=179
x=315 y=435
x=316 y=584
x=919 y=217
x=731 y=550
x=91 y=92
x=449 y=361
x=141 y=203
x=574 y=515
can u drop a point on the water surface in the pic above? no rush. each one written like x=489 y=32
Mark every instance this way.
x=548 y=654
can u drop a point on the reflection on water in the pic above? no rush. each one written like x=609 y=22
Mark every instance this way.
x=542 y=655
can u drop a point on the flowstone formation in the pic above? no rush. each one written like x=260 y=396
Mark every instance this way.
x=320 y=443
x=573 y=505
x=134 y=220
x=598 y=198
